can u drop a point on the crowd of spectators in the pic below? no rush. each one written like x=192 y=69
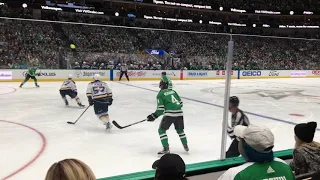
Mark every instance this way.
x=103 y=47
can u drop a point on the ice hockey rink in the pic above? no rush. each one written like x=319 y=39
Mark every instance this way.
x=34 y=132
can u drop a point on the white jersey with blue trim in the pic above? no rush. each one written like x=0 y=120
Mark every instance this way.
x=98 y=89
x=69 y=84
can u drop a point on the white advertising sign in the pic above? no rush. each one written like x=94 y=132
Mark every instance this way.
x=5 y=75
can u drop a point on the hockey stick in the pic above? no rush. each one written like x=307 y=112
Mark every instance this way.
x=122 y=127
x=78 y=117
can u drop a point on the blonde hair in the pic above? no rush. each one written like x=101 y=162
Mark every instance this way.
x=70 y=169
x=299 y=142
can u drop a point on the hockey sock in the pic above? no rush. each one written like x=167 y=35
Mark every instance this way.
x=78 y=101
x=65 y=100
x=163 y=137
x=104 y=118
x=182 y=136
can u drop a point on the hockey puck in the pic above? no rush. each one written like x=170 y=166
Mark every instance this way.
x=298 y=115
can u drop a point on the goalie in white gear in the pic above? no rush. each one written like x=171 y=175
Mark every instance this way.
x=100 y=96
x=69 y=88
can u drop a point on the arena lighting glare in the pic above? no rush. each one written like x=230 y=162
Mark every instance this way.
x=200 y=21
x=221 y=8
x=116 y=14
x=254 y=25
x=291 y=12
x=24 y=5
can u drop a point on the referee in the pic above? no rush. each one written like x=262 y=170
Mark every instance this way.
x=237 y=118
x=123 y=71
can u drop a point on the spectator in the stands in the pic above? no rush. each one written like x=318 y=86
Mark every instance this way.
x=255 y=145
x=70 y=169
x=306 y=154
x=170 y=167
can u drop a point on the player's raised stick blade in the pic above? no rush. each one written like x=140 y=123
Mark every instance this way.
x=122 y=127
x=78 y=117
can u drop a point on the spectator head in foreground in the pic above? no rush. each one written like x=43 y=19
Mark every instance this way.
x=306 y=154
x=255 y=145
x=170 y=167
x=304 y=133
x=70 y=169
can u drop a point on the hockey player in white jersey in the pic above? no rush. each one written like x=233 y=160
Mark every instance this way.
x=69 y=88
x=100 y=96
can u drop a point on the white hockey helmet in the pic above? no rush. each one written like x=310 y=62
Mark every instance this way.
x=70 y=76
x=96 y=77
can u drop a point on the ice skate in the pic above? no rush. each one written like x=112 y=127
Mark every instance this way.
x=20 y=86
x=164 y=151
x=81 y=105
x=186 y=148
x=37 y=85
x=108 y=126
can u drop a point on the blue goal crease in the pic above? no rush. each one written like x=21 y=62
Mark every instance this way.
x=216 y=105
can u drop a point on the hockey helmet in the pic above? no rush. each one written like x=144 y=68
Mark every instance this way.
x=163 y=85
x=70 y=76
x=234 y=101
x=96 y=77
x=164 y=73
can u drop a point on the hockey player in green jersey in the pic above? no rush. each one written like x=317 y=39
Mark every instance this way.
x=169 y=105
x=166 y=79
x=31 y=73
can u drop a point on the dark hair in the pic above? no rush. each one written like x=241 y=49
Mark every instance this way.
x=159 y=177
x=253 y=156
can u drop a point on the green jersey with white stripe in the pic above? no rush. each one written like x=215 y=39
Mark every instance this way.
x=169 y=103
x=274 y=170
x=166 y=79
x=32 y=71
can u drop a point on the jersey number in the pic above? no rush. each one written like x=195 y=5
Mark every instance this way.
x=97 y=90
x=174 y=100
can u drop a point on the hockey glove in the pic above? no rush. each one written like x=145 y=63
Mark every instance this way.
x=90 y=103
x=151 y=117
x=109 y=101
x=75 y=92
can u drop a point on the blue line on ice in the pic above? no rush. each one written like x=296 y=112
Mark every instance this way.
x=216 y=105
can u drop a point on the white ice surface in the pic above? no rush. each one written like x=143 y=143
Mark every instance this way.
x=134 y=149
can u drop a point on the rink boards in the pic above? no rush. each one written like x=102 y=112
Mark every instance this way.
x=13 y=75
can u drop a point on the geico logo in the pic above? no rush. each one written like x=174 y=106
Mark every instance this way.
x=251 y=73
x=316 y=72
